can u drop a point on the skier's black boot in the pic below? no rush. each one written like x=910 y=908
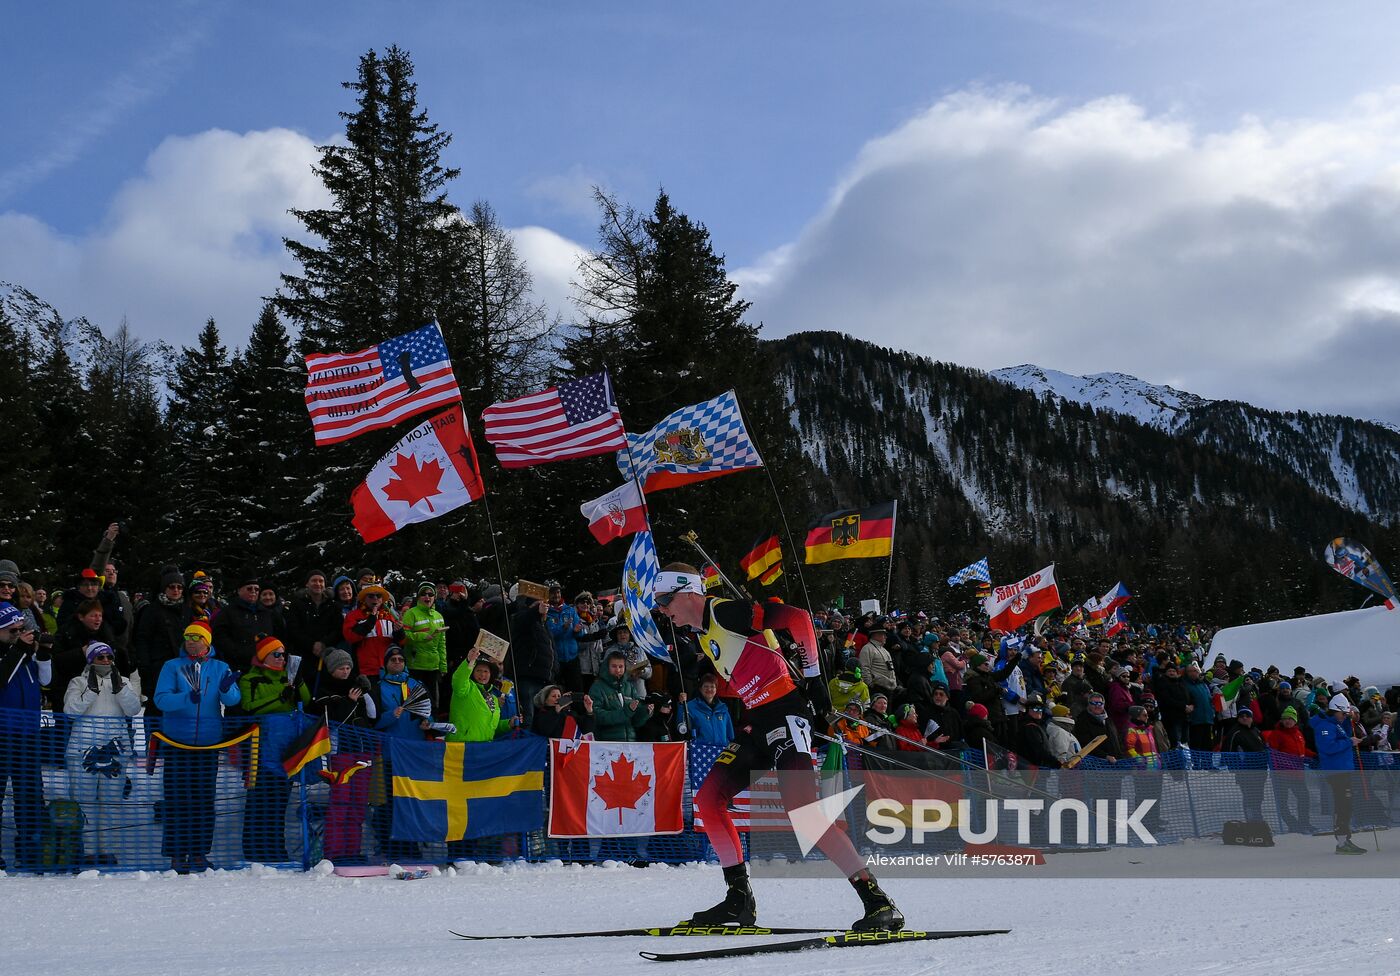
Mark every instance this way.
x=880 y=912
x=738 y=907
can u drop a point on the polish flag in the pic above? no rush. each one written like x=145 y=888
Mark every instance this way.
x=429 y=472
x=618 y=513
x=1019 y=603
x=615 y=789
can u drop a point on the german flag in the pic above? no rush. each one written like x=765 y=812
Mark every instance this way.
x=852 y=533
x=311 y=745
x=765 y=554
x=771 y=577
x=710 y=573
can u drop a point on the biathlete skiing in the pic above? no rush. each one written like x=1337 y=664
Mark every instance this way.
x=775 y=732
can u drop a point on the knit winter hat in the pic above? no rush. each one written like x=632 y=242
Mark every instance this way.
x=262 y=652
x=977 y=710
x=543 y=694
x=9 y=572
x=977 y=660
x=170 y=575
x=96 y=648
x=200 y=629
x=10 y=616
x=316 y=572
x=427 y=586
x=394 y=650
x=335 y=658
x=1289 y=712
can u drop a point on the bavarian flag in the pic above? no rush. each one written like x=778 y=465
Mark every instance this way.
x=306 y=748
x=765 y=554
x=852 y=533
x=446 y=791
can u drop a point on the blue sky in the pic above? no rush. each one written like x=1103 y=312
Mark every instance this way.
x=863 y=166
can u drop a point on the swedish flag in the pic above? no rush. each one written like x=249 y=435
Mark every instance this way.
x=458 y=790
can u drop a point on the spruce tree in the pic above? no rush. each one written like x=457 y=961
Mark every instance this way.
x=662 y=315
x=204 y=521
x=268 y=437
x=21 y=485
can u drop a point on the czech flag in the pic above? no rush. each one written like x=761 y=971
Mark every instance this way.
x=1113 y=599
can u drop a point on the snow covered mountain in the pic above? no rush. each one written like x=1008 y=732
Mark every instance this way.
x=1354 y=462
x=1162 y=407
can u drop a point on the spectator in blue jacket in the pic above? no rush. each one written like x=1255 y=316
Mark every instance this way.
x=1200 y=713
x=191 y=693
x=565 y=628
x=1335 y=741
x=397 y=686
x=710 y=721
x=25 y=666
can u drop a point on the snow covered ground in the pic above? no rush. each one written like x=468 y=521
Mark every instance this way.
x=257 y=921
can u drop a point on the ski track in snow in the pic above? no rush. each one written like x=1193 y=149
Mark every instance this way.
x=259 y=921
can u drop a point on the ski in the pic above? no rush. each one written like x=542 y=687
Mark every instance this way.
x=682 y=928
x=845 y=940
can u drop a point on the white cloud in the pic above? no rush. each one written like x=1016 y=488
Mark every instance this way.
x=1260 y=263
x=569 y=193
x=553 y=262
x=198 y=233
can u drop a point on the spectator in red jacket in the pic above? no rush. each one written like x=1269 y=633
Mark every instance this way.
x=1289 y=751
x=371 y=628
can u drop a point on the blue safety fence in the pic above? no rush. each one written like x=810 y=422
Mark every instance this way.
x=118 y=793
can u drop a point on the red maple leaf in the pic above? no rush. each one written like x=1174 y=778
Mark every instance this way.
x=621 y=787
x=414 y=483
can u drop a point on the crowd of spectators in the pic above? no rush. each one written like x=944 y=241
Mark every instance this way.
x=373 y=651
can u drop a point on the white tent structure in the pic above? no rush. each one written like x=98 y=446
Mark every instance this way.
x=1365 y=643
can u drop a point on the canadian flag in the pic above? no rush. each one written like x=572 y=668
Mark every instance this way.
x=615 y=789
x=1011 y=606
x=429 y=472
x=618 y=513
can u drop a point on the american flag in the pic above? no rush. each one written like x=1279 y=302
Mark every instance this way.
x=753 y=809
x=348 y=394
x=571 y=420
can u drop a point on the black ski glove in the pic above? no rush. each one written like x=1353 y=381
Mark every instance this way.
x=364 y=626
x=92 y=680
x=116 y=681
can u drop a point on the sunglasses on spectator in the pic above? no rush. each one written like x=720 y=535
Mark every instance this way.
x=102 y=657
x=278 y=654
x=1096 y=703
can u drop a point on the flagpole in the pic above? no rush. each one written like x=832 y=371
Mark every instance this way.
x=682 y=719
x=787 y=529
x=798 y=554
x=889 y=576
x=500 y=577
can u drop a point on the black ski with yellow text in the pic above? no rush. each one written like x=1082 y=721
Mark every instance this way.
x=846 y=940
x=665 y=930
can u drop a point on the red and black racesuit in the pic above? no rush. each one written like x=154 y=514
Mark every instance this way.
x=775 y=731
